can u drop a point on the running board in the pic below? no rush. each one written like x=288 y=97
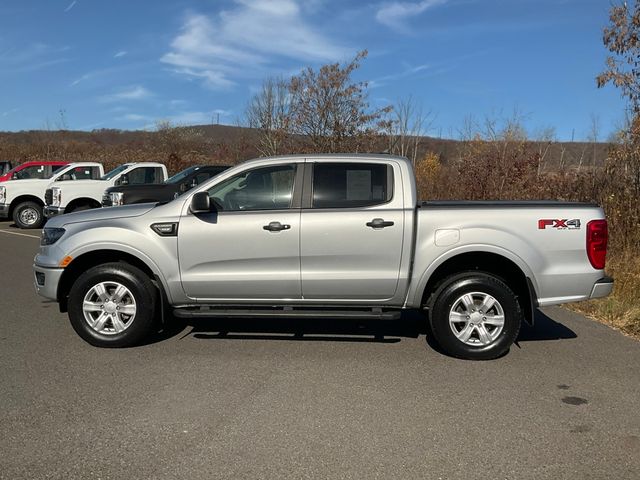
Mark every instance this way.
x=286 y=312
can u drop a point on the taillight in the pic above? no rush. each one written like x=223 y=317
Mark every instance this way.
x=597 y=237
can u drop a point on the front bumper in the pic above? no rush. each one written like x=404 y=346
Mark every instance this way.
x=602 y=288
x=4 y=210
x=50 y=211
x=46 y=280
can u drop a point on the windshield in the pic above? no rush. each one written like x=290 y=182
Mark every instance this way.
x=178 y=177
x=114 y=172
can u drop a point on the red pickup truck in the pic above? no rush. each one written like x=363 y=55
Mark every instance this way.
x=33 y=170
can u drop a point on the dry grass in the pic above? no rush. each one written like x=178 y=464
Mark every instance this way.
x=621 y=309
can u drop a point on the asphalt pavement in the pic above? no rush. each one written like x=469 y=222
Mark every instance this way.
x=272 y=399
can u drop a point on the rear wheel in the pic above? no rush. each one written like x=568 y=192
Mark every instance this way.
x=112 y=305
x=475 y=316
x=28 y=215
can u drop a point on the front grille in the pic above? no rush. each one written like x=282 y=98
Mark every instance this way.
x=106 y=200
x=48 y=196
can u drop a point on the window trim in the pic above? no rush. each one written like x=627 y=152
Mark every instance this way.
x=307 y=200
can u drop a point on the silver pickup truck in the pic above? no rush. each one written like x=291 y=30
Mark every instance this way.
x=323 y=236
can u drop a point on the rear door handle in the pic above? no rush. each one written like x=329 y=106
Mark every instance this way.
x=379 y=223
x=276 y=227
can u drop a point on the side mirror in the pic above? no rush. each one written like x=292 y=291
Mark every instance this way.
x=14 y=176
x=201 y=203
x=194 y=183
x=124 y=179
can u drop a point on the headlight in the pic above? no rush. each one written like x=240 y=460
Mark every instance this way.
x=117 y=198
x=3 y=194
x=51 y=235
x=56 y=196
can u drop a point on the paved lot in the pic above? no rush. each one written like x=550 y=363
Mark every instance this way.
x=308 y=399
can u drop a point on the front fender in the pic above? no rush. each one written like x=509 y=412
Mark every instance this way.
x=159 y=254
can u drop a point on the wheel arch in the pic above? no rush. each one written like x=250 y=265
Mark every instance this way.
x=76 y=202
x=24 y=198
x=93 y=258
x=494 y=263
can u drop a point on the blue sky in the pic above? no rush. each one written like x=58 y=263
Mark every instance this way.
x=125 y=64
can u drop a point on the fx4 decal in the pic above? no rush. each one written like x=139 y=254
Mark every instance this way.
x=560 y=224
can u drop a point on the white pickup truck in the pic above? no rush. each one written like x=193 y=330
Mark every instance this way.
x=323 y=236
x=23 y=200
x=67 y=197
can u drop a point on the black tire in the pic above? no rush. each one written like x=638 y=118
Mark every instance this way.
x=446 y=297
x=142 y=291
x=28 y=215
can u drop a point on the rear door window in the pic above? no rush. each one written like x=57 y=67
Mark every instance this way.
x=351 y=185
x=145 y=175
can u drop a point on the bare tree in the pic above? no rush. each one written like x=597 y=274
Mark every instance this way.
x=407 y=127
x=593 y=136
x=545 y=139
x=622 y=39
x=332 y=112
x=269 y=112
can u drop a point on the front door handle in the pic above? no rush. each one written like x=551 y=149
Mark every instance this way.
x=379 y=223
x=276 y=227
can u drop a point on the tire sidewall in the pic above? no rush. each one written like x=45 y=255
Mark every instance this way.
x=142 y=291
x=23 y=206
x=451 y=291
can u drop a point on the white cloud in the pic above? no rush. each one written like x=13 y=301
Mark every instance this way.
x=71 y=5
x=407 y=72
x=136 y=92
x=121 y=53
x=30 y=57
x=134 y=117
x=394 y=14
x=244 y=40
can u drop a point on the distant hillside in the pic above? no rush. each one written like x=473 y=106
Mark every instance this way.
x=223 y=144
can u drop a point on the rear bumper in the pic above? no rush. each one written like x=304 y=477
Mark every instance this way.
x=46 y=281
x=50 y=211
x=4 y=210
x=602 y=288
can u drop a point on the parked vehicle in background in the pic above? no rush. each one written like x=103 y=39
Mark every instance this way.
x=33 y=170
x=163 y=192
x=67 y=197
x=5 y=166
x=23 y=200
x=323 y=236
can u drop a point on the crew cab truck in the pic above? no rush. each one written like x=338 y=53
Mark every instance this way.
x=67 y=197
x=31 y=170
x=23 y=200
x=175 y=186
x=323 y=236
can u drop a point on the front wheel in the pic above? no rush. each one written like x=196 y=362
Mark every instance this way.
x=112 y=305
x=28 y=215
x=475 y=316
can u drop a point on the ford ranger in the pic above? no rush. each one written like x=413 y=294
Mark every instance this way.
x=175 y=186
x=23 y=200
x=323 y=236
x=67 y=197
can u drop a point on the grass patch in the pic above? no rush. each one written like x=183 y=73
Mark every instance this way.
x=621 y=309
